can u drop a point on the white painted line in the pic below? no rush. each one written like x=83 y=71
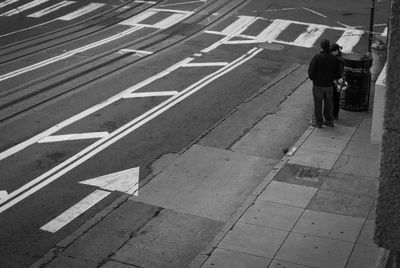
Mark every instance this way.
x=91 y=110
x=385 y=31
x=118 y=134
x=311 y=36
x=28 y=28
x=3 y=196
x=71 y=137
x=7 y=2
x=349 y=39
x=136 y=51
x=150 y=94
x=125 y=181
x=315 y=12
x=280 y=9
x=203 y=64
x=68 y=54
x=171 y=20
x=183 y=3
x=146 y=2
x=171 y=10
x=197 y=54
x=73 y=212
x=273 y=30
x=241 y=24
x=22 y=8
x=51 y=9
x=133 y=21
x=82 y=11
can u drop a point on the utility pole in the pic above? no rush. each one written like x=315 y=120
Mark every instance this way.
x=371 y=25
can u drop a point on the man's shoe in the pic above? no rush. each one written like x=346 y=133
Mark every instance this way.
x=315 y=124
x=329 y=123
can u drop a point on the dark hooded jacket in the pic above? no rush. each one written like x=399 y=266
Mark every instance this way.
x=323 y=69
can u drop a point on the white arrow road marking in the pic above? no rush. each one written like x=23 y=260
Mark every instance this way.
x=24 y=7
x=73 y=212
x=3 y=196
x=126 y=181
x=74 y=161
x=71 y=137
x=82 y=11
x=51 y=9
x=151 y=94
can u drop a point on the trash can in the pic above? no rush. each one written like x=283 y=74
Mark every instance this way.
x=358 y=76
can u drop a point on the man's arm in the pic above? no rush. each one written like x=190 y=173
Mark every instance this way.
x=311 y=69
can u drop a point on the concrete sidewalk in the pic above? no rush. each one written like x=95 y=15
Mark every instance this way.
x=315 y=209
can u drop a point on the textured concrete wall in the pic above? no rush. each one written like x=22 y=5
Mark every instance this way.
x=387 y=232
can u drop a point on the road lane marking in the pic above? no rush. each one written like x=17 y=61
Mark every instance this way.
x=184 y=3
x=150 y=94
x=79 y=158
x=203 y=64
x=71 y=137
x=24 y=7
x=7 y=2
x=349 y=39
x=308 y=38
x=76 y=210
x=68 y=54
x=136 y=19
x=50 y=9
x=137 y=51
x=89 y=111
x=82 y=11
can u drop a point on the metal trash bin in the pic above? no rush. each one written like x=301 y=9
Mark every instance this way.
x=358 y=76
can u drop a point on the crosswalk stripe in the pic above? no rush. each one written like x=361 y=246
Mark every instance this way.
x=349 y=39
x=308 y=38
x=24 y=7
x=82 y=11
x=136 y=19
x=7 y=2
x=240 y=22
x=171 y=20
x=50 y=9
x=272 y=32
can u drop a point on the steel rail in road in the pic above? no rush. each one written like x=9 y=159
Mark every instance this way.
x=82 y=30
x=223 y=8
x=68 y=29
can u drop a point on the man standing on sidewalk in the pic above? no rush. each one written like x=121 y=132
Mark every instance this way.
x=323 y=70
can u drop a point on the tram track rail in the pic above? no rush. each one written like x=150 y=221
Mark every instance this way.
x=45 y=89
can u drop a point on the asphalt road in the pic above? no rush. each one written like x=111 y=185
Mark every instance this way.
x=132 y=84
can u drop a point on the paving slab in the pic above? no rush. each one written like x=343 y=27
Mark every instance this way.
x=367 y=234
x=329 y=225
x=222 y=258
x=338 y=132
x=341 y=203
x=115 y=264
x=362 y=149
x=288 y=194
x=284 y=264
x=68 y=262
x=356 y=165
x=325 y=144
x=371 y=215
x=254 y=240
x=301 y=175
x=269 y=138
x=273 y=215
x=112 y=232
x=362 y=135
x=363 y=257
x=172 y=239
x=351 y=184
x=350 y=119
x=314 y=158
x=207 y=182
x=314 y=251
